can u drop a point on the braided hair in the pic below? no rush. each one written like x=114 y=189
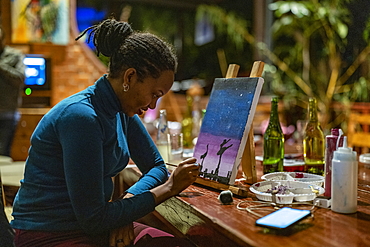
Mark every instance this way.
x=143 y=51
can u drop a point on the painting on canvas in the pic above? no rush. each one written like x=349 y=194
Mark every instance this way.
x=40 y=21
x=225 y=127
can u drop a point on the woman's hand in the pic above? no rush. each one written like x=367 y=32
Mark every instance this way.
x=183 y=176
x=121 y=237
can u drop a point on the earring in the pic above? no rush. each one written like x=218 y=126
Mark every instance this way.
x=126 y=87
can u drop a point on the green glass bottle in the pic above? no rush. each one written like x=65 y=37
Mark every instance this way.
x=187 y=124
x=273 y=142
x=314 y=142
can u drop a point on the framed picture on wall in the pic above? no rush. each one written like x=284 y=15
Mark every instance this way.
x=40 y=21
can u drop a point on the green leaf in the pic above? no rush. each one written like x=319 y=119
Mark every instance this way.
x=281 y=8
x=366 y=33
x=299 y=10
x=286 y=20
x=342 y=29
x=321 y=12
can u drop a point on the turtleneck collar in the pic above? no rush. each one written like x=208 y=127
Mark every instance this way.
x=106 y=98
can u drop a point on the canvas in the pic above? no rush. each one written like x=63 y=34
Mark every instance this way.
x=225 y=127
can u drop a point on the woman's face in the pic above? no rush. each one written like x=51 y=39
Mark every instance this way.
x=143 y=95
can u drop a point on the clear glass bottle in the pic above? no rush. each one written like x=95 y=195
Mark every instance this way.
x=314 y=142
x=187 y=123
x=163 y=141
x=273 y=142
x=197 y=116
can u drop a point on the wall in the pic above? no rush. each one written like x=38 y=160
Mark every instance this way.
x=75 y=73
x=74 y=66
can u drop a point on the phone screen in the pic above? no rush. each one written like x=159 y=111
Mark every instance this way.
x=283 y=218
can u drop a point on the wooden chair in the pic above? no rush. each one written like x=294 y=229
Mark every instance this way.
x=3 y=199
x=4 y=160
x=358 y=132
x=5 y=210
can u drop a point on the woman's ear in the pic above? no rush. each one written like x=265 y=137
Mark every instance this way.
x=130 y=76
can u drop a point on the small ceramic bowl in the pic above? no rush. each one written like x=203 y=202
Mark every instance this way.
x=297 y=191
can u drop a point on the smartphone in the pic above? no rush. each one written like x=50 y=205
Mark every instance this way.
x=283 y=218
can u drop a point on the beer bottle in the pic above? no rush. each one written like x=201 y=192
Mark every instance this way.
x=314 y=142
x=273 y=142
x=187 y=124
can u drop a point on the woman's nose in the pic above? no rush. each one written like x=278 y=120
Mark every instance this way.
x=153 y=104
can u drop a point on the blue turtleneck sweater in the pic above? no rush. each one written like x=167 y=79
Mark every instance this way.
x=76 y=149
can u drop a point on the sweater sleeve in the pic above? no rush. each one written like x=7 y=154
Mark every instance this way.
x=146 y=157
x=81 y=137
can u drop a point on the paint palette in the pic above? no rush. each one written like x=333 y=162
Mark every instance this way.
x=287 y=191
x=295 y=176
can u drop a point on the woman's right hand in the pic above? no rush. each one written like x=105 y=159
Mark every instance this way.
x=183 y=176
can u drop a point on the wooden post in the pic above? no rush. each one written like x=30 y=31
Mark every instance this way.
x=248 y=161
x=232 y=71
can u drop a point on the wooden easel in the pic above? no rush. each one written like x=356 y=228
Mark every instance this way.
x=248 y=161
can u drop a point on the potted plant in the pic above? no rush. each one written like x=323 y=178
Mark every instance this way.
x=311 y=56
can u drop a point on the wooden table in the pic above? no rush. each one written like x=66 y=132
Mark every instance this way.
x=199 y=215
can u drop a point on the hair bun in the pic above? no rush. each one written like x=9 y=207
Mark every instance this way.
x=109 y=36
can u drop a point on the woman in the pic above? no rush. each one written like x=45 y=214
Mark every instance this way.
x=86 y=139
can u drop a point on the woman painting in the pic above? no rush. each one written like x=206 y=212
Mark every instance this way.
x=87 y=138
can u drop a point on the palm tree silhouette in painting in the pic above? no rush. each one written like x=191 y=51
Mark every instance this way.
x=202 y=157
x=221 y=152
